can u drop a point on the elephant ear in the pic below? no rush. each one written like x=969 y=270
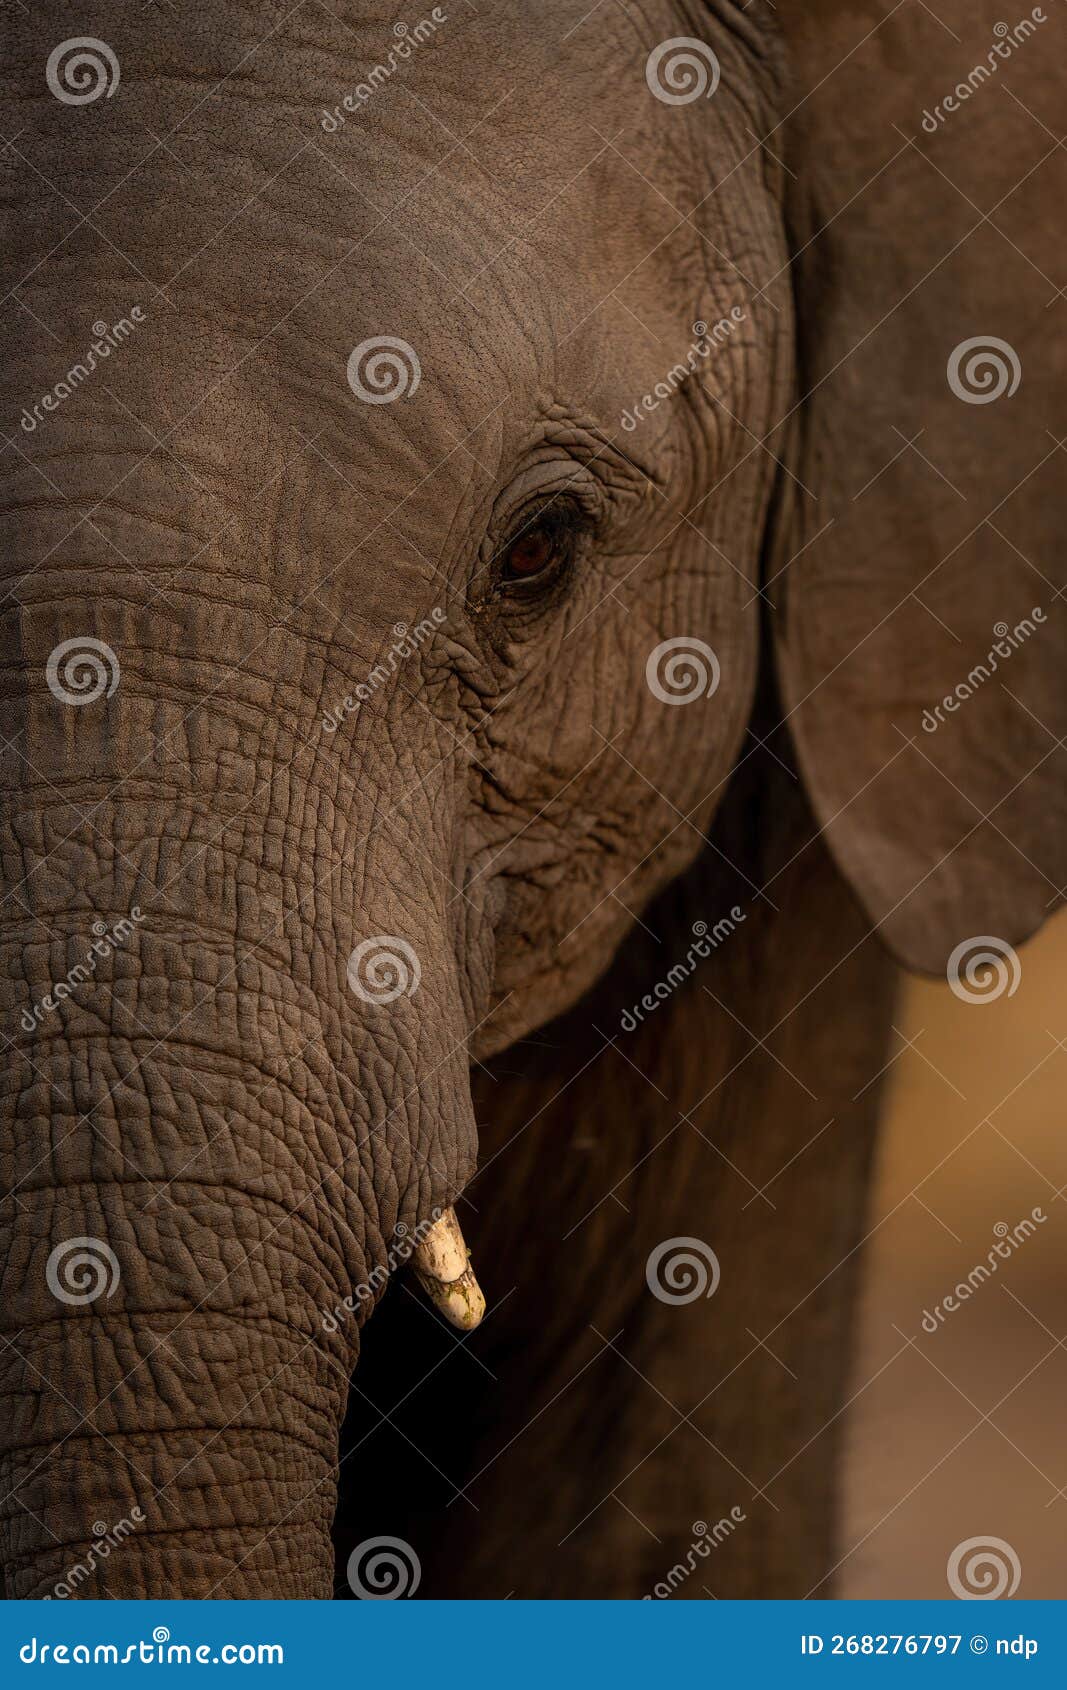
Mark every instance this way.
x=917 y=572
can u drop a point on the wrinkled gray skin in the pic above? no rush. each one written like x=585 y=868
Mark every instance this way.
x=245 y=534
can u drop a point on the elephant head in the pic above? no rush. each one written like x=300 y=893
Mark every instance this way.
x=418 y=440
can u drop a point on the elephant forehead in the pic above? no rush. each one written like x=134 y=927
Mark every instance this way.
x=295 y=193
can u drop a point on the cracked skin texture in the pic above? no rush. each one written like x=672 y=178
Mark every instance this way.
x=244 y=1132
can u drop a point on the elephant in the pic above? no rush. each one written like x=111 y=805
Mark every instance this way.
x=534 y=547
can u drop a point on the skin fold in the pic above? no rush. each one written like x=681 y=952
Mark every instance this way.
x=341 y=718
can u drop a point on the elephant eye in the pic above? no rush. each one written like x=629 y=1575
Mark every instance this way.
x=530 y=553
x=542 y=546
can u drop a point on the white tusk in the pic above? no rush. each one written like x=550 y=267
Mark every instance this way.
x=442 y=1265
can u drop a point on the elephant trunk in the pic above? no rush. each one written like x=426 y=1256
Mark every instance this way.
x=235 y=1077
x=167 y=1433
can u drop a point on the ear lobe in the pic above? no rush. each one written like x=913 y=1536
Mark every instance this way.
x=918 y=580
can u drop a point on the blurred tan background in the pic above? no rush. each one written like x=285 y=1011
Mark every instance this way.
x=961 y=1433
